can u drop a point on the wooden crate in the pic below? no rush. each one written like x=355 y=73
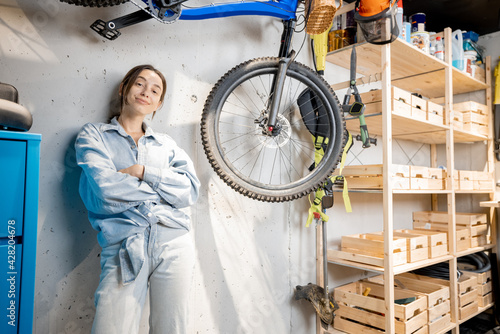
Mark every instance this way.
x=438 y=299
x=436 y=293
x=418 y=102
x=482 y=278
x=368 y=248
x=402 y=177
x=476 y=123
x=371 y=176
x=435 y=113
x=461 y=218
x=463 y=238
x=358 y=313
x=418 y=108
x=458 y=121
x=476 y=223
x=484 y=287
x=441 y=320
x=467 y=293
x=417 y=246
x=473 y=180
x=485 y=300
x=376 y=96
x=465 y=283
x=471 y=106
x=465 y=179
x=427 y=178
x=468 y=310
x=479 y=129
x=398 y=108
x=400 y=103
x=483 y=181
x=437 y=241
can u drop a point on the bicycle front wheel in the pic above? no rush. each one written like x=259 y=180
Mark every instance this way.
x=282 y=165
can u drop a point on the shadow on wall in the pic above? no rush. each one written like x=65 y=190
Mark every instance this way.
x=65 y=295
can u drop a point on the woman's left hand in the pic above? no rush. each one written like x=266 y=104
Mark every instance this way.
x=134 y=170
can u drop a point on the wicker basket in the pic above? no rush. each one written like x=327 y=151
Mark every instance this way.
x=320 y=15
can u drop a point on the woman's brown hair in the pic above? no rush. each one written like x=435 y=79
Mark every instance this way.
x=130 y=78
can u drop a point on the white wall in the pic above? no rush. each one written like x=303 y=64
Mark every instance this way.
x=250 y=255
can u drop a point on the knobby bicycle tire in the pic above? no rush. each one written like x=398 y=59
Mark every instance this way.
x=255 y=164
x=95 y=3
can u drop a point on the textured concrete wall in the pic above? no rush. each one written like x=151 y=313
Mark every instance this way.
x=250 y=255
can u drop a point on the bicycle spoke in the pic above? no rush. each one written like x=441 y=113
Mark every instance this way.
x=272 y=165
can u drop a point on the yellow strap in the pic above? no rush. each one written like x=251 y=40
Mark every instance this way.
x=345 y=191
x=318 y=145
x=320 y=193
x=316 y=207
x=345 y=196
x=344 y=153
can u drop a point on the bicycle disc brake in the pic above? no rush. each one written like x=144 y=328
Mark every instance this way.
x=166 y=11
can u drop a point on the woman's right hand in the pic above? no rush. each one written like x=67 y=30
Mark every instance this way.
x=134 y=170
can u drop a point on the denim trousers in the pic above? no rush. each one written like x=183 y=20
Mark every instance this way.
x=167 y=272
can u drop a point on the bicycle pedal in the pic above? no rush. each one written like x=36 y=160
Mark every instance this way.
x=102 y=29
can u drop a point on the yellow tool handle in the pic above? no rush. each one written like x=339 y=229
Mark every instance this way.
x=321 y=48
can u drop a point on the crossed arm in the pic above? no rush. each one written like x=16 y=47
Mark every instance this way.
x=106 y=190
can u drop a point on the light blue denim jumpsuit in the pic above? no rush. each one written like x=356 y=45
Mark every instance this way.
x=141 y=229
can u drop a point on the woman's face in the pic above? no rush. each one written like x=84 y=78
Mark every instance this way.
x=144 y=95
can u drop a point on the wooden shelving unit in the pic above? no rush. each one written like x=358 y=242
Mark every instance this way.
x=406 y=67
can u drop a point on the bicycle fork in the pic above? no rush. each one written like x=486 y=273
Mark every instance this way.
x=286 y=58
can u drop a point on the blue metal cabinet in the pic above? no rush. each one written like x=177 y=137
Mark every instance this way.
x=19 y=168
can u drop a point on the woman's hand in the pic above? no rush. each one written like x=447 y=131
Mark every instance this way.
x=134 y=170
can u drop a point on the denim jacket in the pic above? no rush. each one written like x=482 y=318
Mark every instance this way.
x=120 y=206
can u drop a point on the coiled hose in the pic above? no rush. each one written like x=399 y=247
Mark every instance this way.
x=480 y=261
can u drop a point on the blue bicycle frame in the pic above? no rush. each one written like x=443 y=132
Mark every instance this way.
x=282 y=9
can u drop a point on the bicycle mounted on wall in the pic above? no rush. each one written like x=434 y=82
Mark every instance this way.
x=258 y=119
x=253 y=133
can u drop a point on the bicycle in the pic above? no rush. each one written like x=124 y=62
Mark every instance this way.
x=271 y=128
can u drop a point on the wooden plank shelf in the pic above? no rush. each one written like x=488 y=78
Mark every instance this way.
x=490 y=204
x=479 y=311
x=473 y=191
x=407 y=128
x=403 y=69
x=445 y=330
x=408 y=65
x=397 y=269
x=475 y=250
x=423 y=192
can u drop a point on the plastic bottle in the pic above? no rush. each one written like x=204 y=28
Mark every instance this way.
x=439 y=49
x=457 y=49
x=407 y=27
x=399 y=18
x=432 y=43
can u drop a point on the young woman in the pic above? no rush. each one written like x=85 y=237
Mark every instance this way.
x=133 y=184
